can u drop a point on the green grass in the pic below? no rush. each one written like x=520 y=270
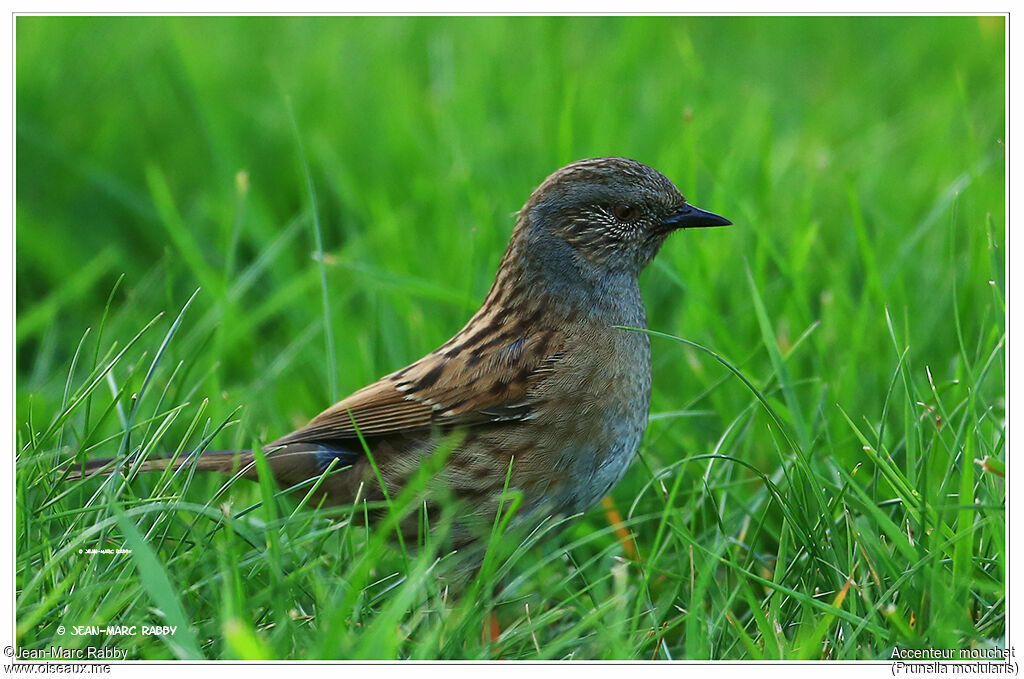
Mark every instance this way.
x=822 y=474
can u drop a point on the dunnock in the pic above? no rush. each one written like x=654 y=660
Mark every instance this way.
x=551 y=398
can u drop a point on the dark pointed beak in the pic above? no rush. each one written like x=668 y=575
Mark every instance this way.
x=689 y=216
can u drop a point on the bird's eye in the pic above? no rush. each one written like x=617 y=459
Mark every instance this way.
x=625 y=212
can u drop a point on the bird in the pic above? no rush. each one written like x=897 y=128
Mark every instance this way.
x=545 y=390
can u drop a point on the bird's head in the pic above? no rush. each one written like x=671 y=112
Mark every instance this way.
x=613 y=213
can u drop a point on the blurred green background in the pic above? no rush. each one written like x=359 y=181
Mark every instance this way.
x=861 y=160
x=424 y=135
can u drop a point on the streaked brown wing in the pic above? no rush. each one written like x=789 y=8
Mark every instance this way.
x=446 y=388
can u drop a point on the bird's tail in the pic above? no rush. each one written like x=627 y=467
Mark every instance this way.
x=289 y=464
x=222 y=461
